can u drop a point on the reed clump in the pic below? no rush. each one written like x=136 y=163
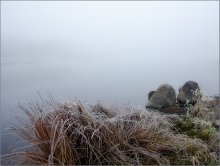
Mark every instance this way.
x=81 y=134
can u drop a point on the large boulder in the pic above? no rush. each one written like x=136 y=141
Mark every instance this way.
x=150 y=94
x=163 y=97
x=186 y=95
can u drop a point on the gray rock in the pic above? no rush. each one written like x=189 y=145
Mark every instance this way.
x=163 y=97
x=174 y=110
x=186 y=93
x=150 y=94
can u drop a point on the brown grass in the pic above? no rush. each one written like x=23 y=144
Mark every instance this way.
x=77 y=134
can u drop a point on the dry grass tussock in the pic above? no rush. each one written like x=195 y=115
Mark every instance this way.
x=81 y=134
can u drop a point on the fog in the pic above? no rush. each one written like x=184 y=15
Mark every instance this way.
x=108 y=51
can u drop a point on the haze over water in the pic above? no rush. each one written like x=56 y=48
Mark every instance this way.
x=112 y=52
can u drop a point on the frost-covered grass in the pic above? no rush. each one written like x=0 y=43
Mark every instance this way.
x=81 y=134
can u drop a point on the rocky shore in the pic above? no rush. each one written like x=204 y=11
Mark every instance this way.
x=180 y=129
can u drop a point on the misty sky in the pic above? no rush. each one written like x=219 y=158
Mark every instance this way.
x=126 y=47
